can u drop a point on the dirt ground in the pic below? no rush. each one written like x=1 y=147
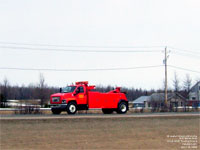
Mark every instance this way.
x=100 y=133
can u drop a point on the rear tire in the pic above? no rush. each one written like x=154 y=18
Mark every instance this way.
x=55 y=111
x=122 y=108
x=107 y=111
x=71 y=108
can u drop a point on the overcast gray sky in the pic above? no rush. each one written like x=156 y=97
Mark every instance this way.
x=124 y=25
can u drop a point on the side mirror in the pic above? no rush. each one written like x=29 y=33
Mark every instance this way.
x=76 y=92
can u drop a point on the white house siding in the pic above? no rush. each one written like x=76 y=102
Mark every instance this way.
x=195 y=92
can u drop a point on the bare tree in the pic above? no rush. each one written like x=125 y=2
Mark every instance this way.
x=187 y=83
x=41 y=88
x=41 y=81
x=176 y=83
x=4 y=92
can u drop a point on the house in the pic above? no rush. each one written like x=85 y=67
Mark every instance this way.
x=174 y=100
x=156 y=100
x=194 y=96
x=195 y=92
x=142 y=101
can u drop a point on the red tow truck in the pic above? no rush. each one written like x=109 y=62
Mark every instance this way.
x=83 y=97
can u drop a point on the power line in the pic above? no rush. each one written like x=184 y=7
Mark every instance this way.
x=93 y=69
x=21 y=46
x=79 y=46
x=193 y=56
x=73 y=70
x=83 y=50
x=185 y=51
x=184 y=69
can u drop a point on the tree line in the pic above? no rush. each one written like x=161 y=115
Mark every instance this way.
x=42 y=91
x=33 y=91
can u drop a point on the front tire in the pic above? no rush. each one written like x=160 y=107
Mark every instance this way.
x=55 y=111
x=71 y=108
x=122 y=108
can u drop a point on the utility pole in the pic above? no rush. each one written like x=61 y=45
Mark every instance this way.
x=165 y=62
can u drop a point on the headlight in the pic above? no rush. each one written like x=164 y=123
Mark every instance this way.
x=64 y=101
x=55 y=99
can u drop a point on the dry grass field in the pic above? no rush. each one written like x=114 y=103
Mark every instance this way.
x=96 y=133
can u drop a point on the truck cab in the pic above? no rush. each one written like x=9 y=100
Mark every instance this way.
x=82 y=97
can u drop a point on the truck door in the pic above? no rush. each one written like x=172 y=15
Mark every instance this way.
x=81 y=95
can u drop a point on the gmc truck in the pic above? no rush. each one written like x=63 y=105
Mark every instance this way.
x=83 y=97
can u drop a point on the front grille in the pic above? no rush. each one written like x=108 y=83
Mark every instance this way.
x=55 y=99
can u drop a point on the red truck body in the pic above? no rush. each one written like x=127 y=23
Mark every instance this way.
x=82 y=97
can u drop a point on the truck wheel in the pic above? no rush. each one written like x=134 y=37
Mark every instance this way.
x=55 y=111
x=107 y=111
x=71 y=108
x=122 y=108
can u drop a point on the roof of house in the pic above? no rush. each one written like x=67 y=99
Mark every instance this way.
x=161 y=96
x=142 y=99
x=195 y=87
x=158 y=97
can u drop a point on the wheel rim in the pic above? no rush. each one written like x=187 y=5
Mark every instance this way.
x=72 y=108
x=123 y=108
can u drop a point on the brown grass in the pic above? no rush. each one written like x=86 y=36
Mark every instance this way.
x=96 y=133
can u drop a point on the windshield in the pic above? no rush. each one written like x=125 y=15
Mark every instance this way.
x=68 y=89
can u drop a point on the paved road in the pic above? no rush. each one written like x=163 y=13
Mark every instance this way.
x=78 y=116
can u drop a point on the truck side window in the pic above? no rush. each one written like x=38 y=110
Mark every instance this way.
x=81 y=89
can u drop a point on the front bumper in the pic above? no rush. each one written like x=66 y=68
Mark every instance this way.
x=59 y=106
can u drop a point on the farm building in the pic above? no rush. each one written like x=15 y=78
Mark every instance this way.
x=157 y=100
